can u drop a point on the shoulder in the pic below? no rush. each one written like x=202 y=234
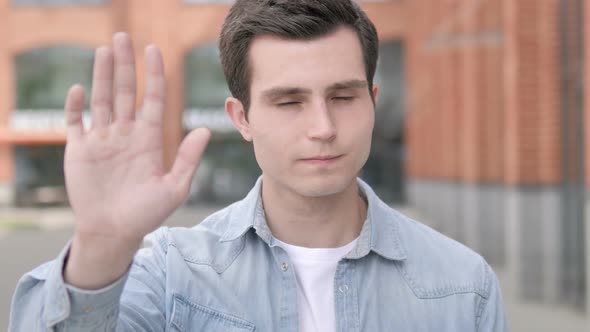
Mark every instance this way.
x=201 y=244
x=210 y=229
x=438 y=266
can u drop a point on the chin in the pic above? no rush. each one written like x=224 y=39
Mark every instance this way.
x=322 y=186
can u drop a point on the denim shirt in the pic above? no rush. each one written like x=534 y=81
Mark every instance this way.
x=228 y=274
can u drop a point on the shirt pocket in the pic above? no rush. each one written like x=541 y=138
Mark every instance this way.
x=190 y=316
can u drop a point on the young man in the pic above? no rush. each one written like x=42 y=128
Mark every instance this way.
x=311 y=248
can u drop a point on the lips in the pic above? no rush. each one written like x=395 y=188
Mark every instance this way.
x=322 y=160
x=323 y=157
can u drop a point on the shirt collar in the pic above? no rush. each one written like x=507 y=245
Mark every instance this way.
x=380 y=233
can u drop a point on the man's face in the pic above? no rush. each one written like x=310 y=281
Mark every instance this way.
x=311 y=115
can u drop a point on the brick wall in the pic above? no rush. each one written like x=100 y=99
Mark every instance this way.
x=586 y=18
x=172 y=25
x=6 y=98
x=484 y=91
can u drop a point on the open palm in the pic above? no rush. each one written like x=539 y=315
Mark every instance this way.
x=115 y=175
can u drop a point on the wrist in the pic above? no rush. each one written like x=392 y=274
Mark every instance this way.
x=97 y=261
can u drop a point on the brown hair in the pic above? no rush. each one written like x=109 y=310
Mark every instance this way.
x=291 y=19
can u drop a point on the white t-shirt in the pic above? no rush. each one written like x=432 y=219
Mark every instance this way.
x=315 y=269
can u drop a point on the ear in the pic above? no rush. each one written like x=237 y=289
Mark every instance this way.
x=235 y=110
x=375 y=92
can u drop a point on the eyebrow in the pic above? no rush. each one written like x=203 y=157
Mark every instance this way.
x=350 y=84
x=278 y=92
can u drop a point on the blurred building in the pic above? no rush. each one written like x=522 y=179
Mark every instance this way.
x=480 y=121
x=497 y=155
x=47 y=45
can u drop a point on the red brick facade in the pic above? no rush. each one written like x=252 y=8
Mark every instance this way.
x=586 y=17
x=483 y=98
x=174 y=26
x=484 y=91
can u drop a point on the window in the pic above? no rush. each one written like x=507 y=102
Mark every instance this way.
x=206 y=90
x=44 y=75
x=384 y=169
x=390 y=103
x=228 y=168
x=206 y=87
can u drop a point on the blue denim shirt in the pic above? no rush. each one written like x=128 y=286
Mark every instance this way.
x=228 y=274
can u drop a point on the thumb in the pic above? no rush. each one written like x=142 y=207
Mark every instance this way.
x=189 y=156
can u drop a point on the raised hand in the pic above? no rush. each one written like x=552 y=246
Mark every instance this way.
x=118 y=186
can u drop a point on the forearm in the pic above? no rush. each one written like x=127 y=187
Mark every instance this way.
x=43 y=300
x=96 y=262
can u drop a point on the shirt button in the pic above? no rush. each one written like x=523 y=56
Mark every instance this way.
x=87 y=309
x=284 y=267
x=343 y=288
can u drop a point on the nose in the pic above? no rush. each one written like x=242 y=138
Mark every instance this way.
x=321 y=123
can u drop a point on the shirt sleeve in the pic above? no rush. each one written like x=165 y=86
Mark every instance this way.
x=43 y=301
x=491 y=316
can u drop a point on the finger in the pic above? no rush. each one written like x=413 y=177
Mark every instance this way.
x=125 y=83
x=188 y=157
x=155 y=87
x=74 y=109
x=102 y=87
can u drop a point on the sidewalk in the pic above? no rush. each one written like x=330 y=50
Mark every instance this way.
x=523 y=316
x=45 y=218
x=531 y=316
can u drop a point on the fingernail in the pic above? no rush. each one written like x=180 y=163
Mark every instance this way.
x=102 y=50
x=120 y=34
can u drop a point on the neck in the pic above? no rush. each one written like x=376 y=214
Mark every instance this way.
x=314 y=222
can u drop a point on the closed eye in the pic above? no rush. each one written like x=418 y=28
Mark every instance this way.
x=344 y=98
x=289 y=103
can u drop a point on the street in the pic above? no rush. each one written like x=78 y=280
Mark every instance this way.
x=22 y=250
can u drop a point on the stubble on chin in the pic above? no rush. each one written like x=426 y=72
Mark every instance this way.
x=322 y=186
